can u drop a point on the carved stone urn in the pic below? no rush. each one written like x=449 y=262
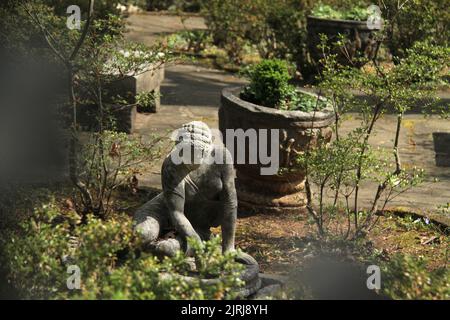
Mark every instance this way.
x=298 y=131
x=360 y=41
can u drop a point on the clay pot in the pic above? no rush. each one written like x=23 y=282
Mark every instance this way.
x=298 y=131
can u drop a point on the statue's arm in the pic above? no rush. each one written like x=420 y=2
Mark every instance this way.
x=229 y=198
x=175 y=206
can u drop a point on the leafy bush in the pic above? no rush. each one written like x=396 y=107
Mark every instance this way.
x=275 y=28
x=173 y=5
x=408 y=277
x=270 y=87
x=102 y=8
x=415 y=21
x=146 y=101
x=37 y=256
x=329 y=12
x=269 y=83
x=108 y=161
x=339 y=168
x=92 y=60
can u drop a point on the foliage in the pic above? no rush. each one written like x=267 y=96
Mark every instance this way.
x=337 y=170
x=174 y=5
x=114 y=60
x=190 y=40
x=414 y=21
x=103 y=8
x=38 y=255
x=110 y=160
x=93 y=59
x=408 y=277
x=269 y=83
x=229 y=24
x=146 y=101
x=275 y=28
x=269 y=86
x=329 y=12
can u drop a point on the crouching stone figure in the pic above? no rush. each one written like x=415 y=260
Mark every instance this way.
x=198 y=193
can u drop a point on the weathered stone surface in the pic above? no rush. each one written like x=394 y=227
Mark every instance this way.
x=271 y=285
x=360 y=39
x=298 y=131
x=442 y=148
x=197 y=195
x=146 y=81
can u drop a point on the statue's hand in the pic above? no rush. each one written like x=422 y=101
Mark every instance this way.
x=245 y=258
x=189 y=250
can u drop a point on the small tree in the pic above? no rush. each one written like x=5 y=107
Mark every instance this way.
x=342 y=166
x=94 y=59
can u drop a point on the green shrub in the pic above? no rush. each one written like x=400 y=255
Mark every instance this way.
x=269 y=83
x=408 y=277
x=102 y=8
x=108 y=161
x=269 y=86
x=37 y=256
x=146 y=101
x=275 y=28
x=328 y=12
x=415 y=21
x=174 y=5
x=340 y=167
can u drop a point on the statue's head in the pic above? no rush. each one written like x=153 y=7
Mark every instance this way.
x=193 y=143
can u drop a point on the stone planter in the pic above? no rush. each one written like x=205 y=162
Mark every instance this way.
x=146 y=81
x=298 y=131
x=128 y=88
x=361 y=42
x=442 y=148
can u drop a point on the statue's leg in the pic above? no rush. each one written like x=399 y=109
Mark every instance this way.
x=151 y=218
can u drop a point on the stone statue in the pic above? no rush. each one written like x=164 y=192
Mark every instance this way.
x=197 y=194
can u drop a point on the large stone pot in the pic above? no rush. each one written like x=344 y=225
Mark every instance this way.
x=360 y=39
x=298 y=131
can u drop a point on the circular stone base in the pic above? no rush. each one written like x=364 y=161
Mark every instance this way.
x=265 y=203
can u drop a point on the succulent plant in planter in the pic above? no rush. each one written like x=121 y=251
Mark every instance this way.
x=301 y=119
x=347 y=33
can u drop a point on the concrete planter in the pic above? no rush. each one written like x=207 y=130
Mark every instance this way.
x=128 y=87
x=298 y=131
x=361 y=42
x=146 y=81
x=442 y=148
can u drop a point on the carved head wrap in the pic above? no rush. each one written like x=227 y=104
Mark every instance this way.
x=196 y=134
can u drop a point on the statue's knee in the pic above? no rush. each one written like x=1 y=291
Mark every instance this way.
x=148 y=229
